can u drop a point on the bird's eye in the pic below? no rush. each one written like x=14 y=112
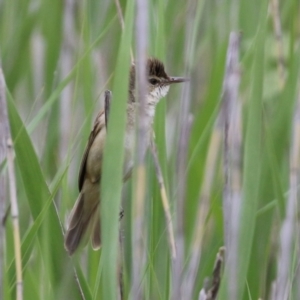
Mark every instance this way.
x=153 y=81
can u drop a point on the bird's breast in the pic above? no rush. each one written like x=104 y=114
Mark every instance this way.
x=95 y=156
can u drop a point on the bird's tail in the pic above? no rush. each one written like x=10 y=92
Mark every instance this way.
x=83 y=221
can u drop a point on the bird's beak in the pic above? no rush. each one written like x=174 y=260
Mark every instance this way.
x=177 y=80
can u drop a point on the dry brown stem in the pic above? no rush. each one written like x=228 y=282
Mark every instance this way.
x=203 y=209
x=211 y=293
x=164 y=199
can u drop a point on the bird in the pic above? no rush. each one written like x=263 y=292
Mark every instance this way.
x=84 y=220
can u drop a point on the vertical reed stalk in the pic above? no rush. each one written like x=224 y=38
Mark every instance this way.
x=283 y=283
x=12 y=188
x=4 y=136
x=231 y=119
x=140 y=189
x=66 y=66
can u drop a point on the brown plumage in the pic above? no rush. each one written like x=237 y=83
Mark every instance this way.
x=156 y=68
x=85 y=216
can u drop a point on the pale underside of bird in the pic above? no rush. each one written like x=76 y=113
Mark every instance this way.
x=84 y=221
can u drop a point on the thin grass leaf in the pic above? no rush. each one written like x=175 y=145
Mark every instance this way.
x=252 y=156
x=55 y=94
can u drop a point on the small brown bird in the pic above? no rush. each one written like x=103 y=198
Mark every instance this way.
x=85 y=216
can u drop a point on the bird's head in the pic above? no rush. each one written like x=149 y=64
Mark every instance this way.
x=158 y=80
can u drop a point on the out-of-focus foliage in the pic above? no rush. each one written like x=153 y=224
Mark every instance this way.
x=58 y=57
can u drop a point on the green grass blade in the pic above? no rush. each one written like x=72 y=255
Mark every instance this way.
x=251 y=171
x=252 y=163
x=37 y=193
x=111 y=180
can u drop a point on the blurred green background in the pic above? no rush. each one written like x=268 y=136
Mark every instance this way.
x=58 y=57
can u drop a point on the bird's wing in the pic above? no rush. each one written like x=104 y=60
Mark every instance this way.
x=98 y=125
